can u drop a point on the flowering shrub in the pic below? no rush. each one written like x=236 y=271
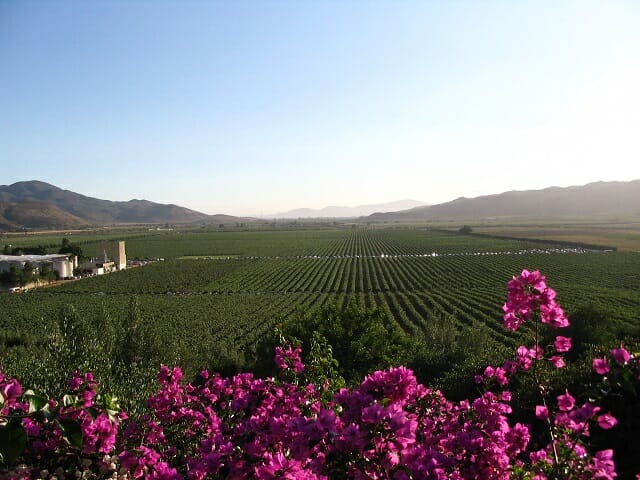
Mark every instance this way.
x=73 y=434
x=387 y=427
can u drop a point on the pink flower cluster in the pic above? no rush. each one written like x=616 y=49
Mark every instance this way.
x=530 y=299
x=289 y=358
x=528 y=294
x=620 y=360
x=568 y=426
x=388 y=427
x=61 y=434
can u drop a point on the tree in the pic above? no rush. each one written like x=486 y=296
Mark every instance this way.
x=11 y=277
x=27 y=274
x=70 y=248
x=465 y=229
x=46 y=272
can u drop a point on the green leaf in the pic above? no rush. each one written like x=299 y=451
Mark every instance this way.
x=36 y=402
x=48 y=413
x=13 y=439
x=71 y=431
x=111 y=402
x=69 y=400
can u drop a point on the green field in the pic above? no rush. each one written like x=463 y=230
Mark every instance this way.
x=218 y=293
x=620 y=234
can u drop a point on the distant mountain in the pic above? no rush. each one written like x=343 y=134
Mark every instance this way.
x=37 y=215
x=593 y=199
x=39 y=205
x=346 y=212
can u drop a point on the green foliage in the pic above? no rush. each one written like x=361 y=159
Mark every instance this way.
x=74 y=341
x=13 y=439
x=37 y=250
x=138 y=342
x=448 y=355
x=360 y=339
x=16 y=276
x=439 y=314
x=590 y=325
x=11 y=277
x=70 y=248
x=322 y=368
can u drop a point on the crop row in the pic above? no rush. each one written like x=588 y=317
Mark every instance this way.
x=234 y=303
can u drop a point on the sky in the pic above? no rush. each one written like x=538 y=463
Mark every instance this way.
x=258 y=107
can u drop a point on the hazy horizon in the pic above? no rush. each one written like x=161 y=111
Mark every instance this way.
x=245 y=108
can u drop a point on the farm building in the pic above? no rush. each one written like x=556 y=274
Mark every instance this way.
x=120 y=256
x=62 y=264
x=115 y=258
x=97 y=267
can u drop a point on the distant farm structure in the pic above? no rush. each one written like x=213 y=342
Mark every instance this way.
x=114 y=258
x=61 y=264
x=18 y=272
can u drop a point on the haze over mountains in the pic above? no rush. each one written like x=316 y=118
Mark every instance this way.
x=347 y=212
x=39 y=205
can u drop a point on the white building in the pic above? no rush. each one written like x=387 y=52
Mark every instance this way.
x=97 y=267
x=114 y=258
x=120 y=257
x=62 y=264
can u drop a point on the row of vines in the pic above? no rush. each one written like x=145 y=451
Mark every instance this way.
x=210 y=312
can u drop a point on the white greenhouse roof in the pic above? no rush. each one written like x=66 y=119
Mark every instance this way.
x=33 y=258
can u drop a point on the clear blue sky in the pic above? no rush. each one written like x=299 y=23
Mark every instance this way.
x=258 y=107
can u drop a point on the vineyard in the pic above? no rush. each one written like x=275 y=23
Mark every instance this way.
x=207 y=308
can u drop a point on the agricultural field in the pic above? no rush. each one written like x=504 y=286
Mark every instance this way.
x=216 y=294
x=619 y=234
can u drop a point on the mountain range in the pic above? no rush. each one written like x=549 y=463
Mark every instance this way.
x=594 y=199
x=39 y=205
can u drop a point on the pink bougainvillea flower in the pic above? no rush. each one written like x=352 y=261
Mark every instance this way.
x=557 y=361
x=542 y=412
x=501 y=376
x=621 y=355
x=553 y=315
x=523 y=357
x=527 y=281
x=289 y=358
x=562 y=344
x=528 y=293
x=566 y=402
x=12 y=390
x=607 y=421
x=601 y=366
x=511 y=321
